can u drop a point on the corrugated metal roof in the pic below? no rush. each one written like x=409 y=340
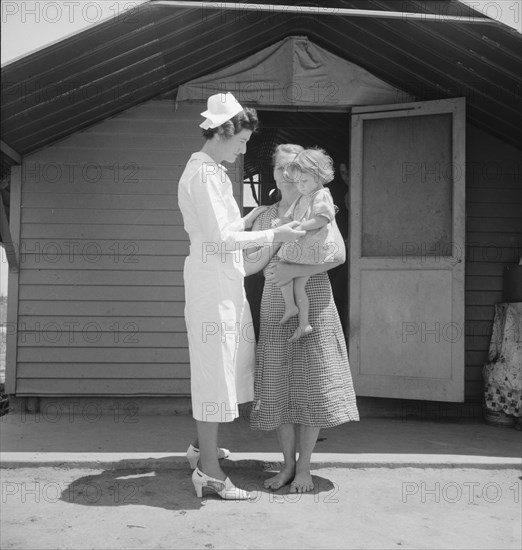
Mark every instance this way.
x=121 y=63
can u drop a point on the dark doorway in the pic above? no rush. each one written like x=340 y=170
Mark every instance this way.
x=331 y=132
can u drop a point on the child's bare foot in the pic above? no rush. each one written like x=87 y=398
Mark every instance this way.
x=280 y=479
x=302 y=483
x=289 y=313
x=300 y=332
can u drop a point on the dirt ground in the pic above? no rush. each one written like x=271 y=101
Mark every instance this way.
x=351 y=508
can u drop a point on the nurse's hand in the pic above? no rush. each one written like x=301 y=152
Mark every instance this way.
x=288 y=232
x=251 y=217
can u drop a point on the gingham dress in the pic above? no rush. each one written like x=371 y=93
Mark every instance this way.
x=309 y=381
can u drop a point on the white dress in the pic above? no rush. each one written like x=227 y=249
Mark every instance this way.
x=219 y=324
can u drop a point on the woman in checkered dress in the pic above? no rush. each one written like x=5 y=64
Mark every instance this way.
x=306 y=385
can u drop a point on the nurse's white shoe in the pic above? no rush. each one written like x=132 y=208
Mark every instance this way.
x=225 y=489
x=193 y=455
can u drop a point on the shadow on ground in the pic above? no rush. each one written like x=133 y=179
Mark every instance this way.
x=171 y=489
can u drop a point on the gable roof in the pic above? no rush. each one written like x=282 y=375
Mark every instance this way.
x=125 y=61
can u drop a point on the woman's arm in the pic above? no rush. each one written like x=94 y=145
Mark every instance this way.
x=257 y=259
x=283 y=272
x=251 y=217
x=212 y=208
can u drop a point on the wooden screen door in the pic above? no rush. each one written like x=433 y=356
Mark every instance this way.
x=407 y=250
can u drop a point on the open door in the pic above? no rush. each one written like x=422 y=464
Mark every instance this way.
x=407 y=250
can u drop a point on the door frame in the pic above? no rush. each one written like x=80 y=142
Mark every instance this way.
x=455 y=107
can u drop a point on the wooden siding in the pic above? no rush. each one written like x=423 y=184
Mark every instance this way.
x=101 y=298
x=493 y=241
x=13 y=281
x=102 y=250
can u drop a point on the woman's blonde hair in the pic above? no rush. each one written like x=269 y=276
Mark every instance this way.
x=316 y=162
x=289 y=148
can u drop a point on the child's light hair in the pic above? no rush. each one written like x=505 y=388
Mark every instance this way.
x=316 y=162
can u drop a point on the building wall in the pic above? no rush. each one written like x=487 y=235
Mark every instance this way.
x=493 y=240
x=102 y=249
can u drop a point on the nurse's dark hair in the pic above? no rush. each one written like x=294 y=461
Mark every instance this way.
x=245 y=120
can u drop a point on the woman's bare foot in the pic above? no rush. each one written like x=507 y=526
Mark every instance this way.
x=302 y=483
x=280 y=479
x=289 y=313
x=300 y=332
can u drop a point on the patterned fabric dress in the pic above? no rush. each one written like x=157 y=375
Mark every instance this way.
x=318 y=245
x=309 y=381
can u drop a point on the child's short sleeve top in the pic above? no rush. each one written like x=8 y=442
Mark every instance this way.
x=318 y=203
x=318 y=245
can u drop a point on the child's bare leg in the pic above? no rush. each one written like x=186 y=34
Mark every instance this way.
x=290 y=306
x=303 y=304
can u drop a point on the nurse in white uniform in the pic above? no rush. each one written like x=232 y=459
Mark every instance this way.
x=219 y=325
